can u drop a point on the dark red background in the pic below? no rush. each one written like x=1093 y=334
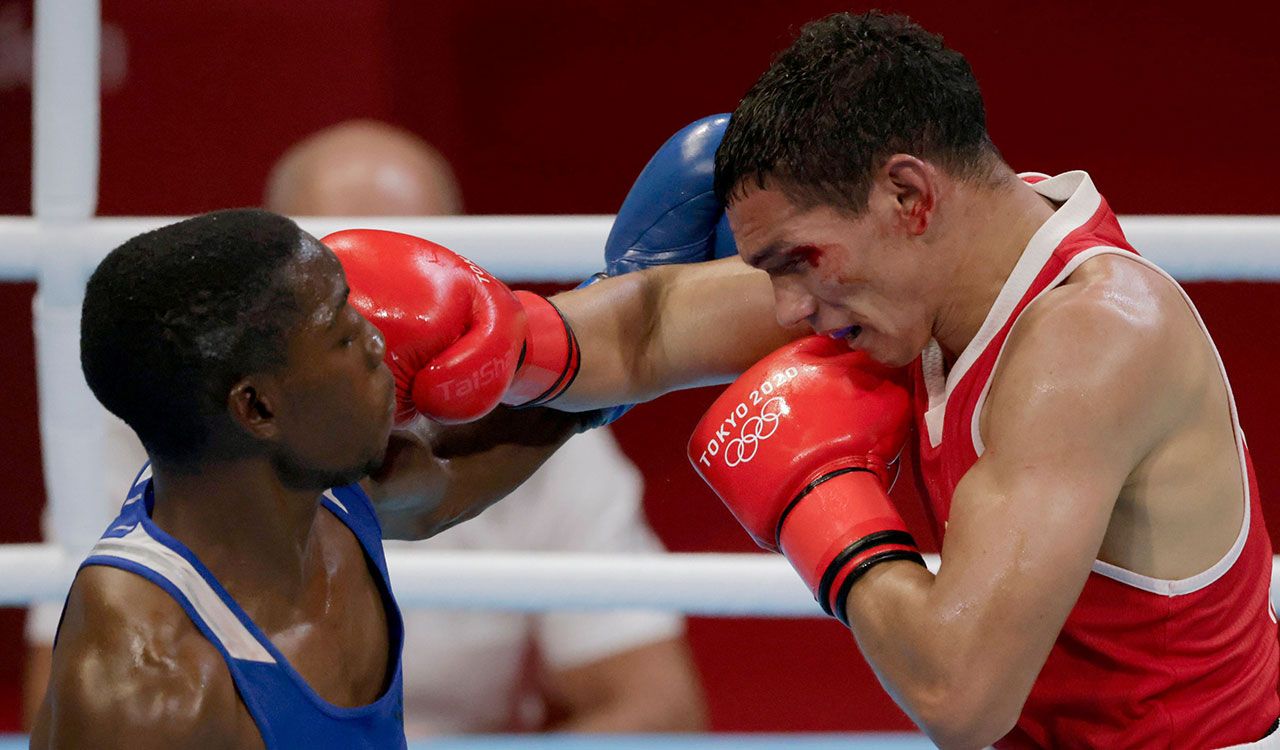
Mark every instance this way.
x=553 y=108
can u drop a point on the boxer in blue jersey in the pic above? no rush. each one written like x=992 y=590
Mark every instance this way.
x=241 y=597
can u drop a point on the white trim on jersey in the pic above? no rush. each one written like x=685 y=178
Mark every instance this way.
x=1080 y=200
x=333 y=498
x=974 y=427
x=139 y=485
x=1161 y=586
x=139 y=547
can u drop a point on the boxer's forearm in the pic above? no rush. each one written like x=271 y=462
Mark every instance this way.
x=941 y=668
x=668 y=328
x=436 y=476
x=961 y=650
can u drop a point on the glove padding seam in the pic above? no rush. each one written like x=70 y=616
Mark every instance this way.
x=665 y=215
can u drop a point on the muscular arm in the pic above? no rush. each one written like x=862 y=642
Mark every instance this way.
x=1084 y=390
x=666 y=328
x=131 y=672
x=641 y=334
x=436 y=476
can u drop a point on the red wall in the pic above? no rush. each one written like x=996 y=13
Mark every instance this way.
x=554 y=107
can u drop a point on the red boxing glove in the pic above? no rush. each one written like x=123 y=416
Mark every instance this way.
x=802 y=448
x=550 y=359
x=454 y=333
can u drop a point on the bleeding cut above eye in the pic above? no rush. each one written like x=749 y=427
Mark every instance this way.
x=806 y=254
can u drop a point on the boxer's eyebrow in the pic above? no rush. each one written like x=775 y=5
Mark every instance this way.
x=336 y=314
x=770 y=251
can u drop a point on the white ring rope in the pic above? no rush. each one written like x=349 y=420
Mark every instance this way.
x=706 y=584
x=531 y=248
x=567 y=248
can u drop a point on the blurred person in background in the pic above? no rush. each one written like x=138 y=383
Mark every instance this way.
x=472 y=671
x=362 y=168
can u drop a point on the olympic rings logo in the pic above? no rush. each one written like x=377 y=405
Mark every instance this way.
x=760 y=427
x=751 y=429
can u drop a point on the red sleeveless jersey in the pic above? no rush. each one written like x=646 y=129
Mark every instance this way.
x=1140 y=662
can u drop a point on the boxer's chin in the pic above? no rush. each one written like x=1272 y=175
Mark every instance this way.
x=297 y=475
x=885 y=350
x=397 y=443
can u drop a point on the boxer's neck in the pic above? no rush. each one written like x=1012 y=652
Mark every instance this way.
x=992 y=227
x=239 y=520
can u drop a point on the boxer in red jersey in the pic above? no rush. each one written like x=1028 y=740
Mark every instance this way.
x=1105 y=565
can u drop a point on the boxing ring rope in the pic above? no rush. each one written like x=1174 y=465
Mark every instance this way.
x=703 y=583
x=698 y=583
x=566 y=248
x=60 y=245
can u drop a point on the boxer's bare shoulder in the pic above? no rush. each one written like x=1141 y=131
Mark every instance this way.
x=131 y=671
x=1149 y=379
x=1122 y=327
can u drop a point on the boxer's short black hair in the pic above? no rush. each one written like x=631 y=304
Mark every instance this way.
x=850 y=92
x=174 y=317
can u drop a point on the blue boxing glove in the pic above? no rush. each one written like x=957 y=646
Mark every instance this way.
x=671 y=214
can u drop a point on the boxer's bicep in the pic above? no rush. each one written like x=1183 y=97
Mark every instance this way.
x=667 y=328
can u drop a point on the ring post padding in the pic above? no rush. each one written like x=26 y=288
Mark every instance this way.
x=65 y=110
x=72 y=429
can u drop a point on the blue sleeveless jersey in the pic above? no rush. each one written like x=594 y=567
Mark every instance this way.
x=289 y=714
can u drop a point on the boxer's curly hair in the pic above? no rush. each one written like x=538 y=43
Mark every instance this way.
x=174 y=317
x=850 y=92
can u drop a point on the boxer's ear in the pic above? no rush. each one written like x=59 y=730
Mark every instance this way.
x=912 y=185
x=251 y=405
